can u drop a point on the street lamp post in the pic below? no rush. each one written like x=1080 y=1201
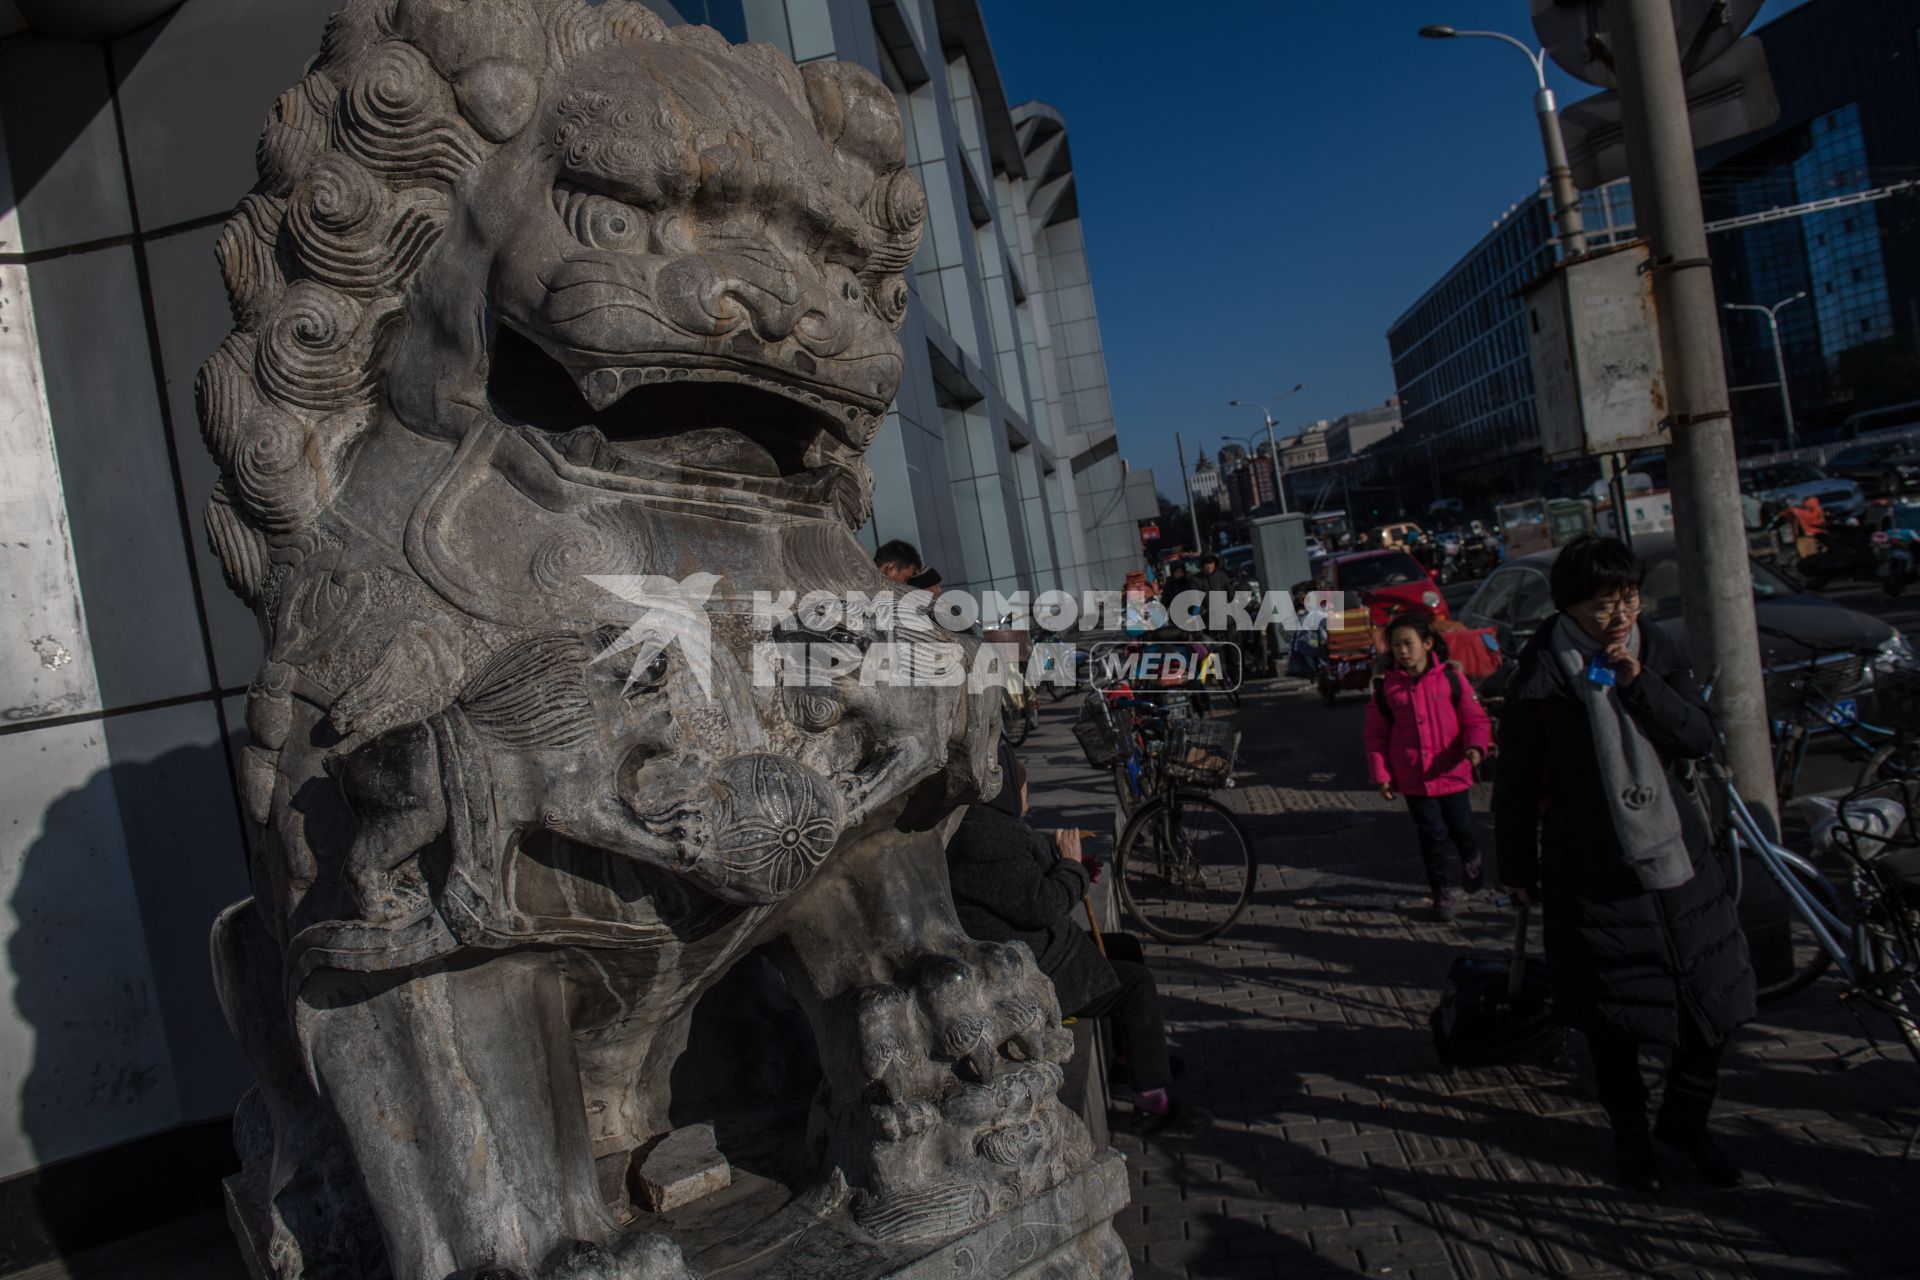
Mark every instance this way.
x=1266 y=411
x=1566 y=199
x=1772 y=314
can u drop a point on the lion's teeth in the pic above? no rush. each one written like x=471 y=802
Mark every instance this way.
x=602 y=388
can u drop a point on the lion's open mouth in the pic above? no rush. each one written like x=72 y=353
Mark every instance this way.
x=662 y=419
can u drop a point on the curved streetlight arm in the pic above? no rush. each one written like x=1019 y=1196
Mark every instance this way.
x=1566 y=198
x=1772 y=314
x=1538 y=57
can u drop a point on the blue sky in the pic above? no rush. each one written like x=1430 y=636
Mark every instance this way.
x=1267 y=184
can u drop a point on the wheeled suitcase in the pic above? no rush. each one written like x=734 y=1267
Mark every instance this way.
x=1499 y=1011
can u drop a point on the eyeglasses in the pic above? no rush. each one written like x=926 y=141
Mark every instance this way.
x=1619 y=607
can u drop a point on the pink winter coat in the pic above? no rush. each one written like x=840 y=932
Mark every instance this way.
x=1423 y=752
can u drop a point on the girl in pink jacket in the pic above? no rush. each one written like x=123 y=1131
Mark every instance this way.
x=1426 y=733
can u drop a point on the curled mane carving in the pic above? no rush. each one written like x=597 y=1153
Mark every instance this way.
x=359 y=165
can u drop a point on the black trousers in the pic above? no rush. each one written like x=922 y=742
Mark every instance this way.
x=1138 y=1027
x=1693 y=1080
x=1435 y=819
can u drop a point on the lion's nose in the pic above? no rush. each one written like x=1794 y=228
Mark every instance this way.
x=774 y=822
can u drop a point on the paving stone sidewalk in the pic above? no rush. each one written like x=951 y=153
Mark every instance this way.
x=1342 y=1148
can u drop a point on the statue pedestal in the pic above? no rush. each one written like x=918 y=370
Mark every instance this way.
x=1065 y=1234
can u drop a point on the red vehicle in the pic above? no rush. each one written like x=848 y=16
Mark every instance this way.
x=1387 y=582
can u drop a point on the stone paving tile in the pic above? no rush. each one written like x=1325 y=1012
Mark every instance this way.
x=1343 y=1149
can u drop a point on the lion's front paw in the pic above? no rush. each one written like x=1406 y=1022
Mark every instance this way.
x=960 y=1062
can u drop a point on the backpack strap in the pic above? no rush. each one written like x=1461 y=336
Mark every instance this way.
x=1380 y=692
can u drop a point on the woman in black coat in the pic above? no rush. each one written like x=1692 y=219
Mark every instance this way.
x=1593 y=818
x=1011 y=883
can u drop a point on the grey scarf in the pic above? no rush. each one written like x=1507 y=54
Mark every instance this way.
x=1644 y=815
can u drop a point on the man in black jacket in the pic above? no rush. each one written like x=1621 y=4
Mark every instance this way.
x=1014 y=884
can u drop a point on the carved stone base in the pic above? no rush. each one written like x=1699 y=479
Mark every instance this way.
x=1064 y=1234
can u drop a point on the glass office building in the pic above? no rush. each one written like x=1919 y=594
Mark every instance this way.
x=1848 y=76
x=1461 y=363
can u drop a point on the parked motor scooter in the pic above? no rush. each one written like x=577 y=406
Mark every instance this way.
x=1847 y=552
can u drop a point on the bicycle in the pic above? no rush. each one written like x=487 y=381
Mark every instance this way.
x=1817 y=711
x=1870 y=930
x=1184 y=864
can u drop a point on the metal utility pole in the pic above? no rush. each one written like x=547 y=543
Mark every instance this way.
x=1193 y=511
x=1566 y=198
x=1709 y=531
x=1772 y=314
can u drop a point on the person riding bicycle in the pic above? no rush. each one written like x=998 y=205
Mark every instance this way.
x=1593 y=819
x=1809 y=524
x=1217 y=588
x=1012 y=883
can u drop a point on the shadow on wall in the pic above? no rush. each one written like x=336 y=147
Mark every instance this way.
x=125 y=1102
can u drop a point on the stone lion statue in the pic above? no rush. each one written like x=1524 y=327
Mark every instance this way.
x=534 y=297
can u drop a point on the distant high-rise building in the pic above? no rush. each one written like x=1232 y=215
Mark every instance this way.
x=1204 y=479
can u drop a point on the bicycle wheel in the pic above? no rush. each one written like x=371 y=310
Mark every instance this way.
x=1015 y=727
x=1123 y=790
x=1902 y=1003
x=1810 y=959
x=1895 y=762
x=1185 y=867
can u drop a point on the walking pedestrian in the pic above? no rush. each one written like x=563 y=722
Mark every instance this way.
x=1426 y=734
x=1594 y=819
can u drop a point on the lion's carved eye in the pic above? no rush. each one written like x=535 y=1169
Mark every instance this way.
x=600 y=222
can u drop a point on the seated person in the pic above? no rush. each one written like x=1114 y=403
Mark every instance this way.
x=1014 y=884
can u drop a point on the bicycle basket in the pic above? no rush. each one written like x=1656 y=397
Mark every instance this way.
x=1200 y=752
x=1105 y=734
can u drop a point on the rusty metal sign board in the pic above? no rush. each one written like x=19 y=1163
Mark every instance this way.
x=1597 y=373
x=1576 y=34
x=1728 y=100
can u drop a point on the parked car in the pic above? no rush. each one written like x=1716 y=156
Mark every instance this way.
x=1794 y=481
x=1882 y=468
x=1387 y=582
x=1515 y=601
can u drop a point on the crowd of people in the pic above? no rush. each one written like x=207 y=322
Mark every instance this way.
x=1596 y=820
